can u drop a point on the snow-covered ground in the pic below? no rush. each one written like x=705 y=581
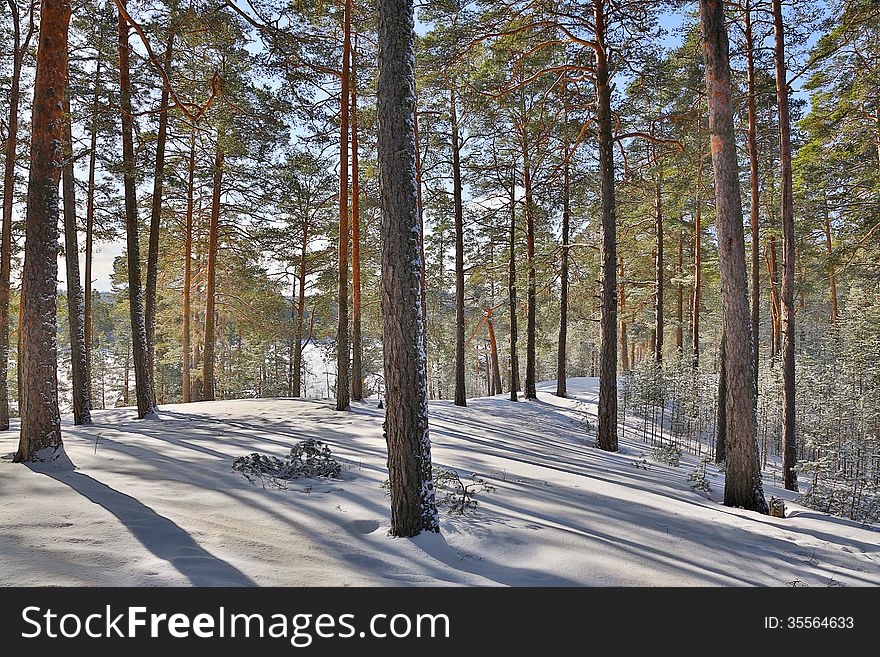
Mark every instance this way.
x=157 y=503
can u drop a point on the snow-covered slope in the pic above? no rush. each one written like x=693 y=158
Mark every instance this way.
x=157 y=503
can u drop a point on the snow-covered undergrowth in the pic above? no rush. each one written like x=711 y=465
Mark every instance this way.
x=158 y=503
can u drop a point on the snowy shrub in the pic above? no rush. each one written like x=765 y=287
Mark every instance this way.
x=451 y=490
x=698 y=476
x=670 y=454
x=307 y=459
x=454 y=494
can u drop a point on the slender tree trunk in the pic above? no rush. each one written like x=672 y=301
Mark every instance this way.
x=775 y=304
x=142 y=381
x=357 y=375
x=789 y=428
x=75 y=310
x=413 y=507
x=342 y=341
x=659 y=282
x=679 y=310
x=832 y=280
x=511 y=290
x=606 y=437
x=18 y=52
x=300 y=312
x=698 y=262
x=186 y=349
x=531 y=292
x=460 y=393
x=422 y=263
x=156 y=214
x=38 y=396
x=755 y=215
x=721 y=419
x=90 y=219
x=743 y=487
x=624 y=354
x=208 y=351
x=495 y=388
x=561 y=388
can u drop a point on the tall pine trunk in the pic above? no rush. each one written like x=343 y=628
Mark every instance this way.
x=721 y=417
x=606 y=438
x=90 y=219
x=142 y=379
x=832 y=279
x=460 y=393
x=19 y=48
x=679 y=309
x=789 y=429
x=413 y=507
x=495 y=387
x=561 y=388
x=342 y=341
x=755 y=215
x=698 y=262
x=300 y=312
x=186 y=350
x=75 y=310
x=511 y=291
x=743 y=487
x=658 y=270
x=38 y=397
x=624 y=353
x=357 y=348
x=156 y=213
x=209 y=349
x=531 y=291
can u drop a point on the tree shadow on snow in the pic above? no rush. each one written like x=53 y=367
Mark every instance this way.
x=156 y=533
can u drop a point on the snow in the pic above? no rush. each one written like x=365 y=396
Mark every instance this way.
x=157 y=503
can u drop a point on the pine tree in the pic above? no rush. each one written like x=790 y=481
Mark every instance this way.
x=743 y=487
x=413 y=508
x=38 y=399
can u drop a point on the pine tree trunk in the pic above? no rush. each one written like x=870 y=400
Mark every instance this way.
x=658 y=262
x=342 y=341
x=743 y=487
x=90 y=219
x=698 y=262
x=789 y=428
x=511 y=292
x=561 y=387
x=531 y=292
x=775 y=305
x=186 y=349
x=357 y=374
x=422 y=263
x=460 y=393
x=755 y=215
x=832 y=279
x=413 y=507
x=208 y=351
x=142 y=380
x=38 y=396
x=606 y=437
x=75 y=310
x=624 y=353
x=18 y=52
x=679 y=310
x=156 y=214
x=721 y=419
x=495 y=387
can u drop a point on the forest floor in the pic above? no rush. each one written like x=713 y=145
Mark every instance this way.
x=157 y=503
